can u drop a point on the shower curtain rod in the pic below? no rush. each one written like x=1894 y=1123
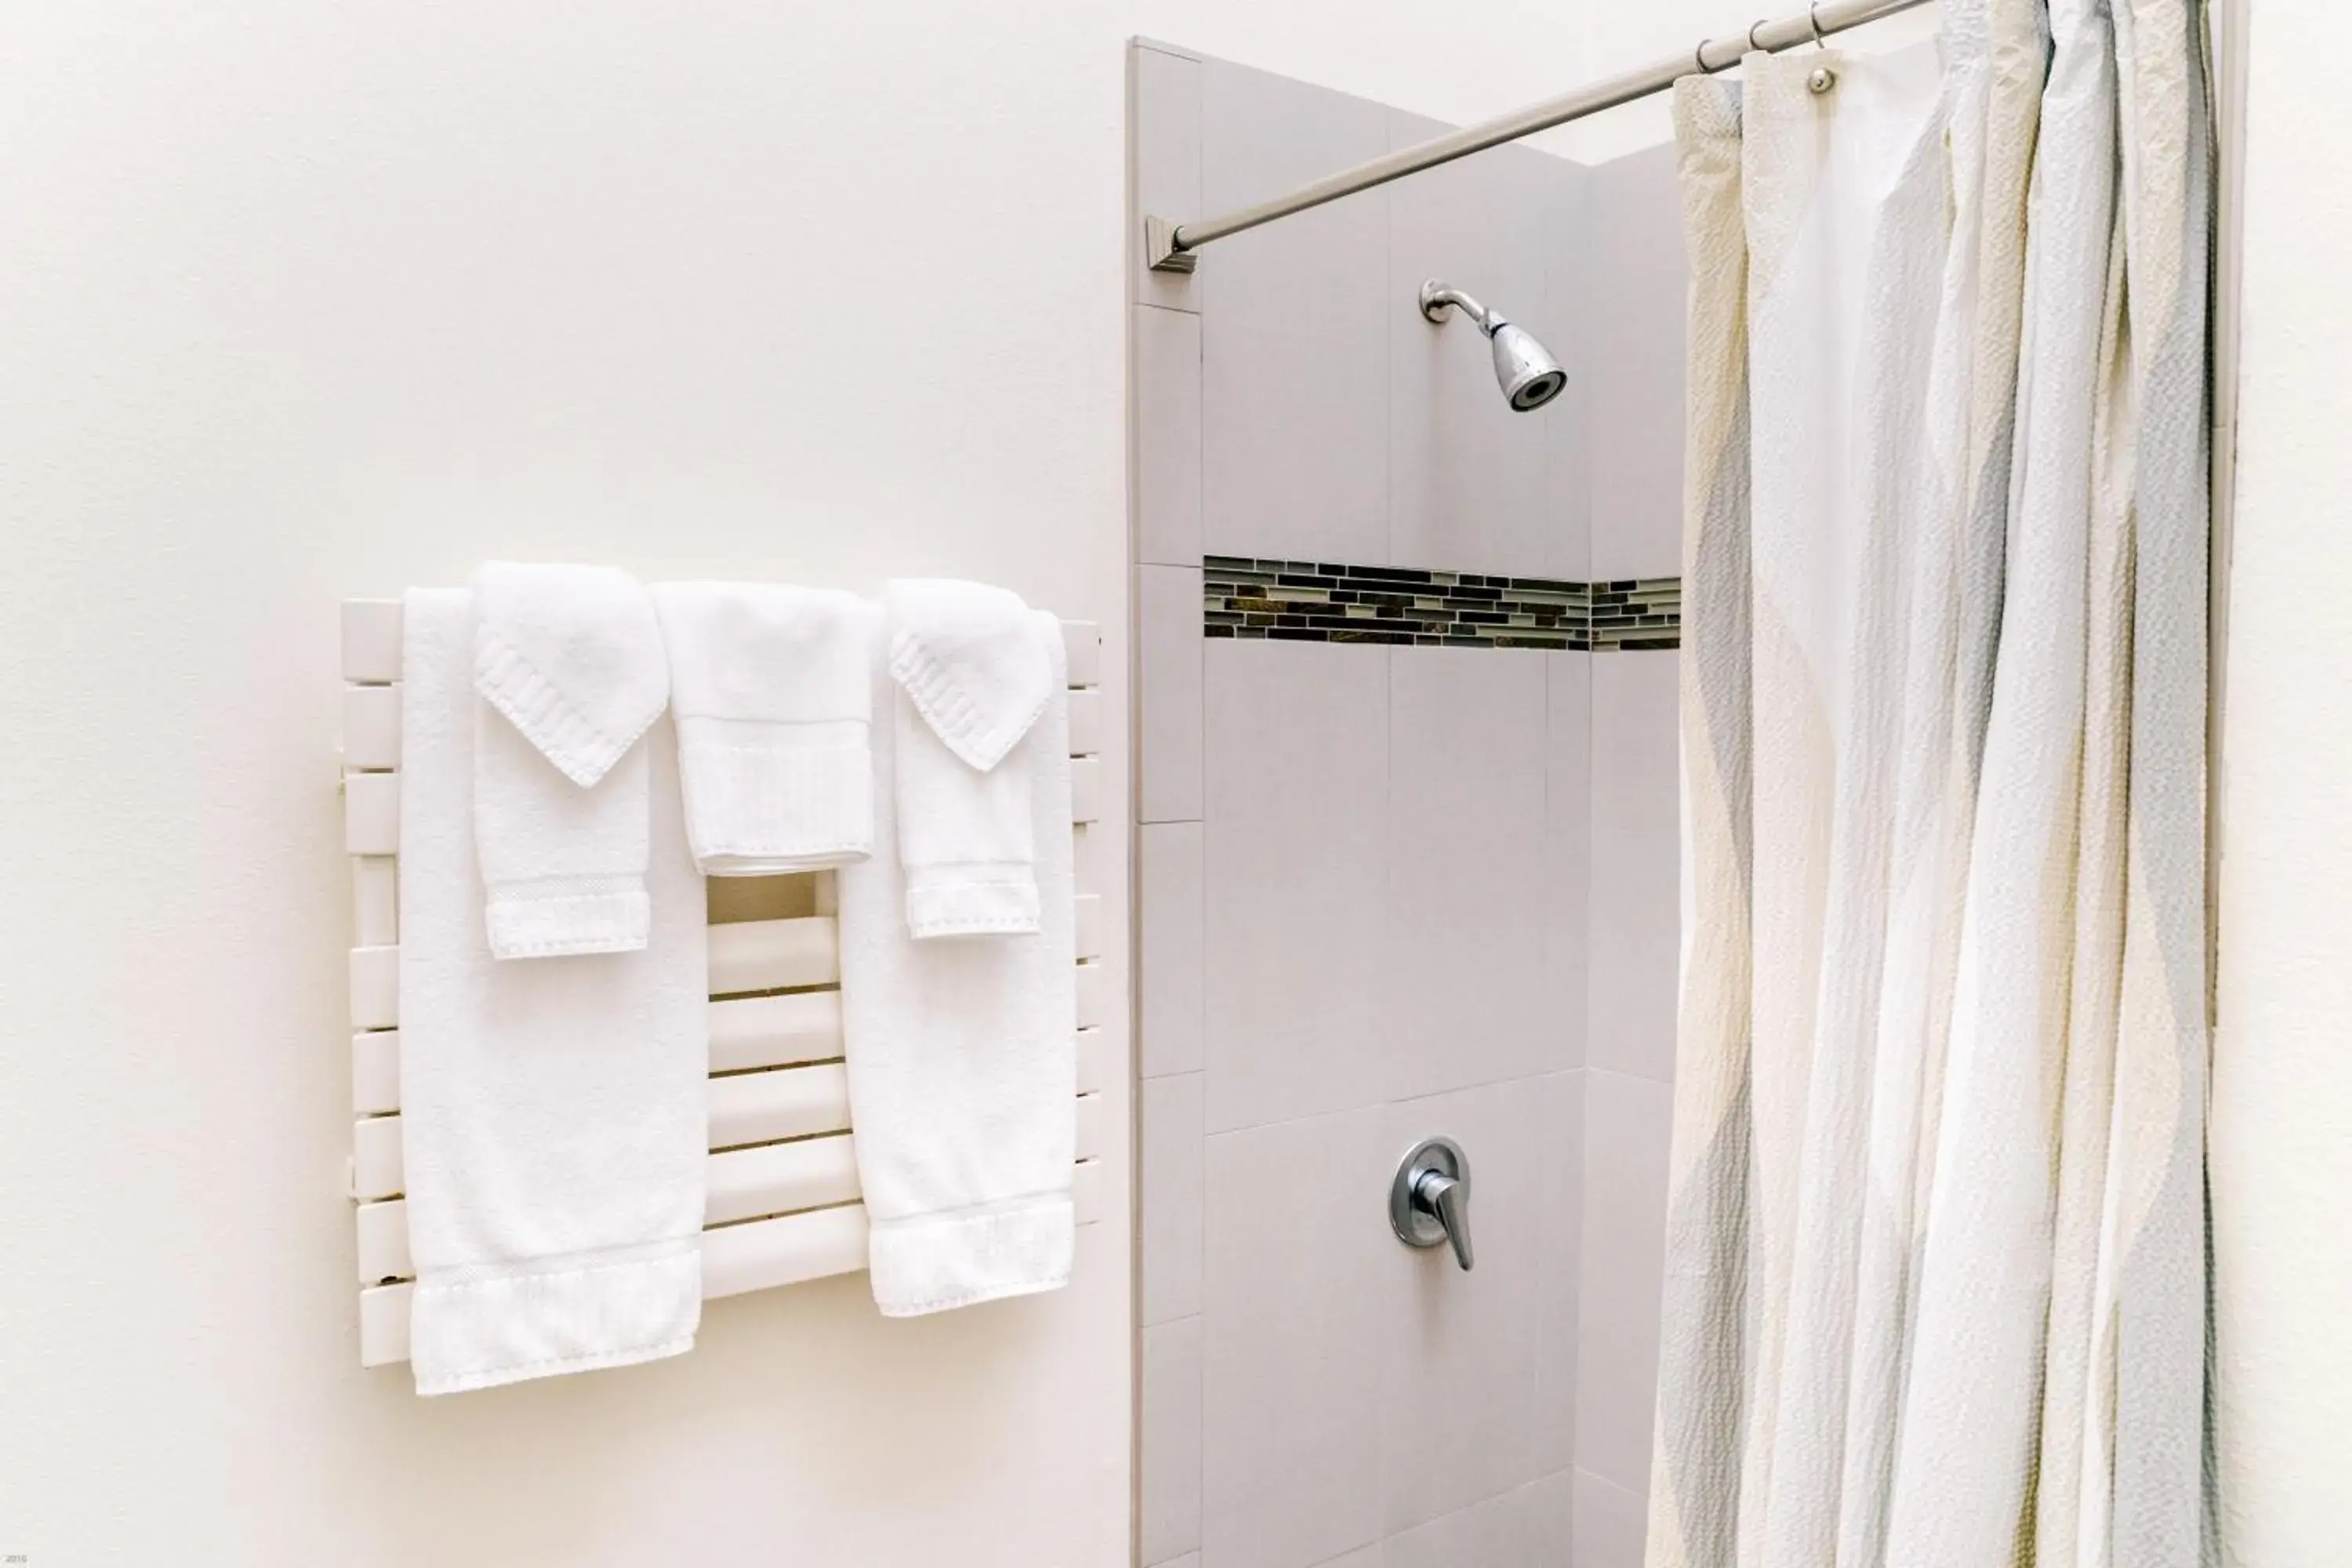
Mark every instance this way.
x=1170 y=247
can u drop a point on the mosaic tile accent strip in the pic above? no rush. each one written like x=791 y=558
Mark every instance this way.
x=1305 y=600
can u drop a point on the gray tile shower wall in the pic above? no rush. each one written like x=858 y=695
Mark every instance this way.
x=1635 y=888
x=1295 y=899
x=1168 y=442
x=1467 y=783
x=1168 y=693
x=1295 y=324
x=1406 y=841
x=1335 y=422
x=1169 y=1458
x=1634 y=336
x=1163 y=167
x=1470 y=482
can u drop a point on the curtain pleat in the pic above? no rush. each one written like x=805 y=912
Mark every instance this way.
x=2072 y=564
x=1846 y=237
x=1705 y=1314
x=2156 y=1171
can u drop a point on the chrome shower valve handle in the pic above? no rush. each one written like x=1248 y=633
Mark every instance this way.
x=1429 y=1201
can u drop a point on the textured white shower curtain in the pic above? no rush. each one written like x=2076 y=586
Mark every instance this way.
x=1935 y=1267
x=1844 y=208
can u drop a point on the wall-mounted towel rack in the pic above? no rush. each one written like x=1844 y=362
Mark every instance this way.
x=783 y=1204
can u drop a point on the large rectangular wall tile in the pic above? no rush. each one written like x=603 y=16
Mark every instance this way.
x=1527 y=1527
x=1627 y=1124
x=1170 y=1182
x=1467 y=474
x=1164 y=140
x=1611 y=1523
x=1559 y=1102
x=1297 y=879
x=1459 y=1417
x=1546 y=1512
x=1568 y=852
x=1168 y=693
x=1169 y=913
x=1298 y=1296
x=1637 y=427
x=1569 y=247
x=1294 y=322
x=1468 y=895
x=1170 y=1420
x=1636 y=864
x=1167 y=418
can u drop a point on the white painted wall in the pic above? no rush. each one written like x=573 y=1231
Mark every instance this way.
x=2281 y=1155
x=301 y=301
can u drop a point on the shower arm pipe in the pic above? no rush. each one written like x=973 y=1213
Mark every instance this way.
x=1437 y=299
x=1172 y=246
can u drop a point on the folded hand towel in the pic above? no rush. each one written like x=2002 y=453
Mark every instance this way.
x=962 y=1056
x=970 y=657
x=553 y=1116
x=772 y=689
x=570 y=659
x=973 y=671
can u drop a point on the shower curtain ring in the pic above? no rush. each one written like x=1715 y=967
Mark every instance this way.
x=1752 y=45
x=1821 y=78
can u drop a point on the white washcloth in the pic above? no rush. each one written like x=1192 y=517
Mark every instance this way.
x=974 y=667
x=773 y=691
x=963 y=1058
x=571 y=657
x=553 y=1116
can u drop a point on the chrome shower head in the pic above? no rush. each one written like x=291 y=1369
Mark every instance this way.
x=1528 y=373
x=1529 y=376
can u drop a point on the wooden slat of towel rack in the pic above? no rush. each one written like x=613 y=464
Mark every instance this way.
x=743 y=1184
x=781 y=1205
x=746 y=1108
x=746 y=957
x=803 y=956
x=746 y=1033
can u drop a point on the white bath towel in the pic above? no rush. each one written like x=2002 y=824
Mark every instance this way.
x=552 y=1115
x=962 y=1057
x=569 y=663
x=973 y=671
x=772 y=689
